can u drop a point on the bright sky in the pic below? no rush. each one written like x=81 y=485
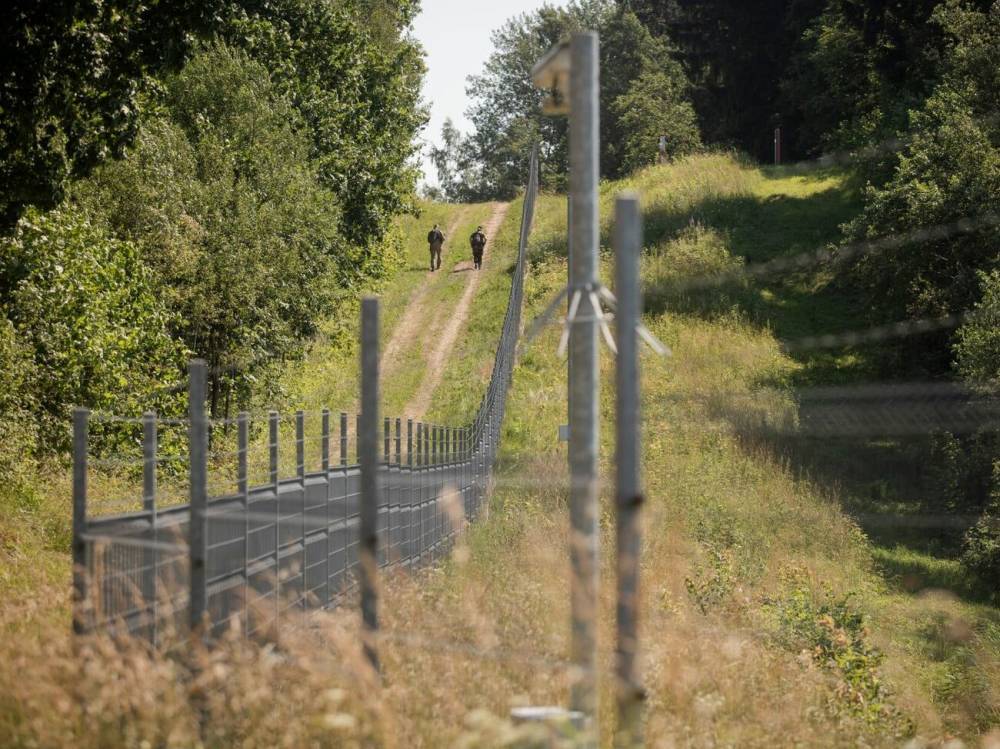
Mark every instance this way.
x=456 y=36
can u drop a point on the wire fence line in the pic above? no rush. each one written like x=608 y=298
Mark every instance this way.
x=292 y=541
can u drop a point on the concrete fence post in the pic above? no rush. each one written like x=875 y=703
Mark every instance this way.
x=81 y=593
x=150 y=556
x=300 y=472
x=273 y=426
x=628 y=689
x=584 y=424
x=328 y=508
x=198 y=479
x=368 y=444
x=243 y=489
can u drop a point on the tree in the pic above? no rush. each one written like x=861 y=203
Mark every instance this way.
x=86 y=307
x=735 y=54
x=507 y=108
x=948 y=171
x=453 y=162
x=354 y=74
x=860 y=67
x=73 y=75
x=653 y=107
x=228 y=210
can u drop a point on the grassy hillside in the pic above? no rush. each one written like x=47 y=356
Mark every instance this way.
x=769 y=617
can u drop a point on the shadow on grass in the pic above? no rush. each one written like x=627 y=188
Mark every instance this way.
x=890 y=483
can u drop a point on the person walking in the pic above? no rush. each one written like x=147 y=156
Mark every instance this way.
x=435 y=239
x=478 y=242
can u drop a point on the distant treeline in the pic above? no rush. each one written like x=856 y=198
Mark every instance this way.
x=189 y=178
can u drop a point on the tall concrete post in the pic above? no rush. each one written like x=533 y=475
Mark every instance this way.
x=368 y=451
x=628 y=500
x=584 y=426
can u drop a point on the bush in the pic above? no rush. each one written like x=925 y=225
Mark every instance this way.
x=656 y=104
x=17 y=425
x=86 y=308
x=981 y=549
x=949 y=171
x=222 y=199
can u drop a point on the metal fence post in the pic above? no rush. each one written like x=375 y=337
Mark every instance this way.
x=419 y=550
x=343 y=438
x=243 y=488
x=584 y=134
x=368 y=444
x=327 y=510
x=357 y=437
x=629 y=692
x=272 y=437
x=300 y=471
x=397 y=540
x=411 y=482
x=81 y=593
x=150 y=554
x=197 y=517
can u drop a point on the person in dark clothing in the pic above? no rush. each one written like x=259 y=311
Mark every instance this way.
x=478 y=242
x=435 y=239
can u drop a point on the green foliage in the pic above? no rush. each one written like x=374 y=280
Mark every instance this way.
x=860 y=67
x=17 y=426
x=72 y=80
x=653 y=106
x=86 y=308
x=948 y=173
x=735 y=53
x=977 y=343
x=981 y=549
x=354 y=75
x=492 y=162
x=834 y=635
x=220 y=196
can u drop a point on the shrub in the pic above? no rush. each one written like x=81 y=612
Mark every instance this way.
x=981 y=549
x=85 y=306
x=222 y=199
x=17 y=426
x=656 y=104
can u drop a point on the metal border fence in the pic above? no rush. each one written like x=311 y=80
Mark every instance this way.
x=292 y=541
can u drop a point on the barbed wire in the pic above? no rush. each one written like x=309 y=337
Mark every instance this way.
x=874 y=334
x=840 y=254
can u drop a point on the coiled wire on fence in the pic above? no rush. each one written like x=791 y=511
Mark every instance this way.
x=291 y=541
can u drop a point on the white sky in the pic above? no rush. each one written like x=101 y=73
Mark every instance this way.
x=456 y=36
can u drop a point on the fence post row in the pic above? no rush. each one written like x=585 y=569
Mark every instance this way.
x=629 y=693
x=419 y=521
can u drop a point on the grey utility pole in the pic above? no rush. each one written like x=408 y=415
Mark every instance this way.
x=584 y=424
x=574 y=68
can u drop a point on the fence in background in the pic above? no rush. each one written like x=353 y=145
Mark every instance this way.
x=290 y=541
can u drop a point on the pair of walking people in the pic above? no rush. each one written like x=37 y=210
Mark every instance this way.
x=435 y=239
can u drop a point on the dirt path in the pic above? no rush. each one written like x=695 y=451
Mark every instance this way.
x=413 y=316
x=438 y=356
